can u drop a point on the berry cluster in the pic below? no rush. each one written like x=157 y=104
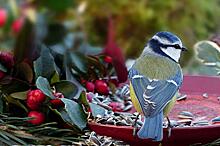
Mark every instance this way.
x=16 y=24
x=35 y=101
x=102 y=86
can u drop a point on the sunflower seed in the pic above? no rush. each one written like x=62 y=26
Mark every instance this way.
x=181 y=97
x=127 y=108
x=185 y=121
x=201 y=123
x=205 y=95
x=216 y=120
x=185 y=115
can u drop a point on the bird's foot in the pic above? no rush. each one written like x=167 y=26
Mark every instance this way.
x=169 y=127
x=135 y=126
x=134 y=131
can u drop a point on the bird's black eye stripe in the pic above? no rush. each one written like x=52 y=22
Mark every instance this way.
x=175 y=46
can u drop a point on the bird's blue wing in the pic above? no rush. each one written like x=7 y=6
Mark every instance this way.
x=152 y=94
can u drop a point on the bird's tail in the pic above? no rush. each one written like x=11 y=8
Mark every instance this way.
x=152 y=128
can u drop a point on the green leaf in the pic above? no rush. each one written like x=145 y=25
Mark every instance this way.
x=15 y=102
x=76 y=113
x=19 y=95
x=68 y=88
x=83 y=100
x=24 y=71
x=2 y=68
x=45 y=66
x=77 y=61
x=56 y=34
x=43 y=84
x=56 y=5
x=207 y=52
x=12 y=85
x=25 y=45
x=97 y=110
x=71 y=78
x=55 y=78
x=1 y=105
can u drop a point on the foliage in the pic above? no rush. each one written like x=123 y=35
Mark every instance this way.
x=136 y=21
x=208 y=53
x=16 y=131
x=49 y=53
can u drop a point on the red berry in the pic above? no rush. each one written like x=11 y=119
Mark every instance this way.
x=3 y=17
x=108 y=59
x=90 y=87
x=39 y=117
x=35 y=98
x=89 y=97
x=57 y=102
x=83 y=81
x=7 y=59
x=17 y=25
x=116 y=106
x=2 y=74
x=101 y=87
x=33 y=105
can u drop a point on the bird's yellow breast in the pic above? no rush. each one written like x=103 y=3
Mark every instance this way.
x=137 y=106
x=135 y=100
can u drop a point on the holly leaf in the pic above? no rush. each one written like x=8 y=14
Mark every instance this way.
x=11 y=85
x=97 y=110
x=15 y=102
x=76 y=113
x=26 y=44
x=45 y=66
x=208 y=52
x=69 y=89
x=77 y=61
x=43 y=84
x=24 y=71
x=70 y=77
x=19 y=95
x=83 y=100
x=1 y=105
x=3 y=68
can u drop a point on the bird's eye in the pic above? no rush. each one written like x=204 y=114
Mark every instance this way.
x=177 y=46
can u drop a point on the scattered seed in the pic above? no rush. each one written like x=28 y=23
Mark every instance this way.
x=127 y=108
x=181 y=97
x=185 y=115
x=216 y=120
x=185 y=121
x=201 y=123
x=205 y=95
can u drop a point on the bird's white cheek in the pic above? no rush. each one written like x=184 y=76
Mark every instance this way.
x=172 y=52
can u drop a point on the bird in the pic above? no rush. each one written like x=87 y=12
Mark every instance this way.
x=155 y=78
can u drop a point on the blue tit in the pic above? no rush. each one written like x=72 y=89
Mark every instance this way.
x=155 y=78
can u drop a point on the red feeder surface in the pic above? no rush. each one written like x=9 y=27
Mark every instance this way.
x=201 y=107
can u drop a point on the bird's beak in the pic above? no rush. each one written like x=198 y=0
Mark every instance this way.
x=184 y=49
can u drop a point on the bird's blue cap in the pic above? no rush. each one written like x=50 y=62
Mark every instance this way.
x=173 y=40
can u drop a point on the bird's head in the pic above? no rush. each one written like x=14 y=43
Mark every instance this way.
x=166 y=44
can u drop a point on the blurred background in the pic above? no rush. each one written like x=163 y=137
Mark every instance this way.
x=88 y=25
